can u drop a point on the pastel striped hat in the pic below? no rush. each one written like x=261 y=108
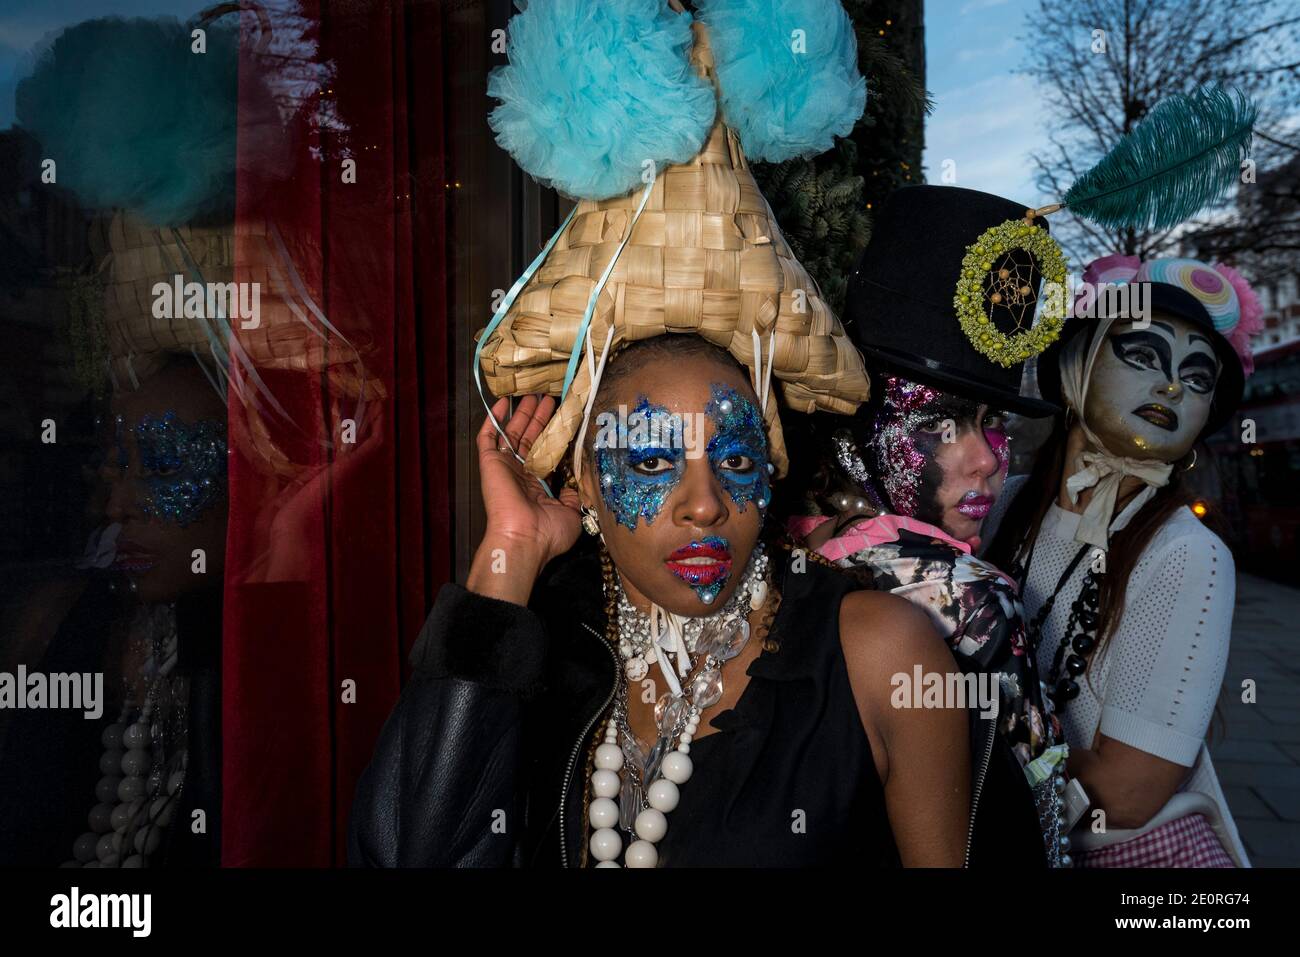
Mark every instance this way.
x=1226 y=296
x=1214 y=297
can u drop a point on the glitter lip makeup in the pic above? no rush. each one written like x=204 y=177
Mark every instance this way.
x=132 y=559
x=975 y=506
x=704 y=564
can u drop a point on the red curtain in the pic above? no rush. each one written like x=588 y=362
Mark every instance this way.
x=337 y=538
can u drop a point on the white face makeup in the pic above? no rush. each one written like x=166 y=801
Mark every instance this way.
x=1151 y=389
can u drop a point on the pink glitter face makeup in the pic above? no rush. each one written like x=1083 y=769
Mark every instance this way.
x=900 y=447
x=997 y=440
x=907 y=456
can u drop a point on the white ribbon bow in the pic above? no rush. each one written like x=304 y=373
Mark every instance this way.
x=668 y=635
x=1106 y=472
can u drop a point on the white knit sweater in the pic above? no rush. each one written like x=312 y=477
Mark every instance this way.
x=1155 y=684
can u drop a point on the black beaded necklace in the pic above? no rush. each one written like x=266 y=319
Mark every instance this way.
x=1084 y=616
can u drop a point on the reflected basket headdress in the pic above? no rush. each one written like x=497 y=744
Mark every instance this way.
x=145 y=134
x=291 y=333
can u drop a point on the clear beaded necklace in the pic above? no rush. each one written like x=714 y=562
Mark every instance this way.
x=690 y=653
x=644 y=639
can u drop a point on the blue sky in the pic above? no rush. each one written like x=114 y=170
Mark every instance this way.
x=987 y=118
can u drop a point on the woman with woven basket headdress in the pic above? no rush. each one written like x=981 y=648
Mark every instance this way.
x=679 y=689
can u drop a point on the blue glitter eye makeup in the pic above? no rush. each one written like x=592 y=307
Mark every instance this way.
x=641 y=459
x=738 y=450
x=184 y=466
x=634 y=481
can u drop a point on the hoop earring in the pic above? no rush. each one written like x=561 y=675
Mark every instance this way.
x=1191 y=465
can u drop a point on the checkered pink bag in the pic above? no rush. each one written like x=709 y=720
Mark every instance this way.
x=1185 y=842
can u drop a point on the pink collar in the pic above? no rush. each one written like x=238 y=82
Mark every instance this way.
x=868 y=532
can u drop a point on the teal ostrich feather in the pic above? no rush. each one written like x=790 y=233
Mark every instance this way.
x=1183 y=156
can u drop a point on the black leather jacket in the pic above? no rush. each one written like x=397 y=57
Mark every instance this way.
x=480 y=763
x=487 y=736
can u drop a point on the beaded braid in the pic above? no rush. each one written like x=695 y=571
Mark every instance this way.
x=609 y=583
x=770 y=644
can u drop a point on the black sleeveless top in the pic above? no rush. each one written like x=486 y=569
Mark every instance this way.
x=788 y=779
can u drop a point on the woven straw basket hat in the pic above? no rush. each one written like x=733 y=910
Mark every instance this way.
x=705 y=257
x=136 y=255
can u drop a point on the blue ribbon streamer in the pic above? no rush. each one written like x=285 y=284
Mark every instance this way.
x=595 y=294
x=500 y=314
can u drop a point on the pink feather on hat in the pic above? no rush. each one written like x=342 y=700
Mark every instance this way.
x=1251 y=322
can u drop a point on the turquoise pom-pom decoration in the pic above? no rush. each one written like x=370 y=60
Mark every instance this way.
x=788 y=73
x=133 y=118
x=595 y=89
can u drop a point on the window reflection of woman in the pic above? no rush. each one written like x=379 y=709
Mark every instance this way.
x=165 y=468
x=147 y=613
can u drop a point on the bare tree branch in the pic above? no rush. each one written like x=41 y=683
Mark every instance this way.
x=1153 y=49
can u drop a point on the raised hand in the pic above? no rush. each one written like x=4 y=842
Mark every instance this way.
x=526 y=528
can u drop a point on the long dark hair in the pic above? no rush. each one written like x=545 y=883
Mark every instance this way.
x=815 y=470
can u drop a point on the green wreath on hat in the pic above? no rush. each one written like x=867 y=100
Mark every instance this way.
x=969 y=300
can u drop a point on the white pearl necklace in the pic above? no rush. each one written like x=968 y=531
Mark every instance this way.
x=844 y=503
x=624 y=802
x=128 y=834
x=651 y=823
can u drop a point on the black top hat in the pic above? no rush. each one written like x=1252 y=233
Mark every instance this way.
x=900 y=308
x=1172 y=301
